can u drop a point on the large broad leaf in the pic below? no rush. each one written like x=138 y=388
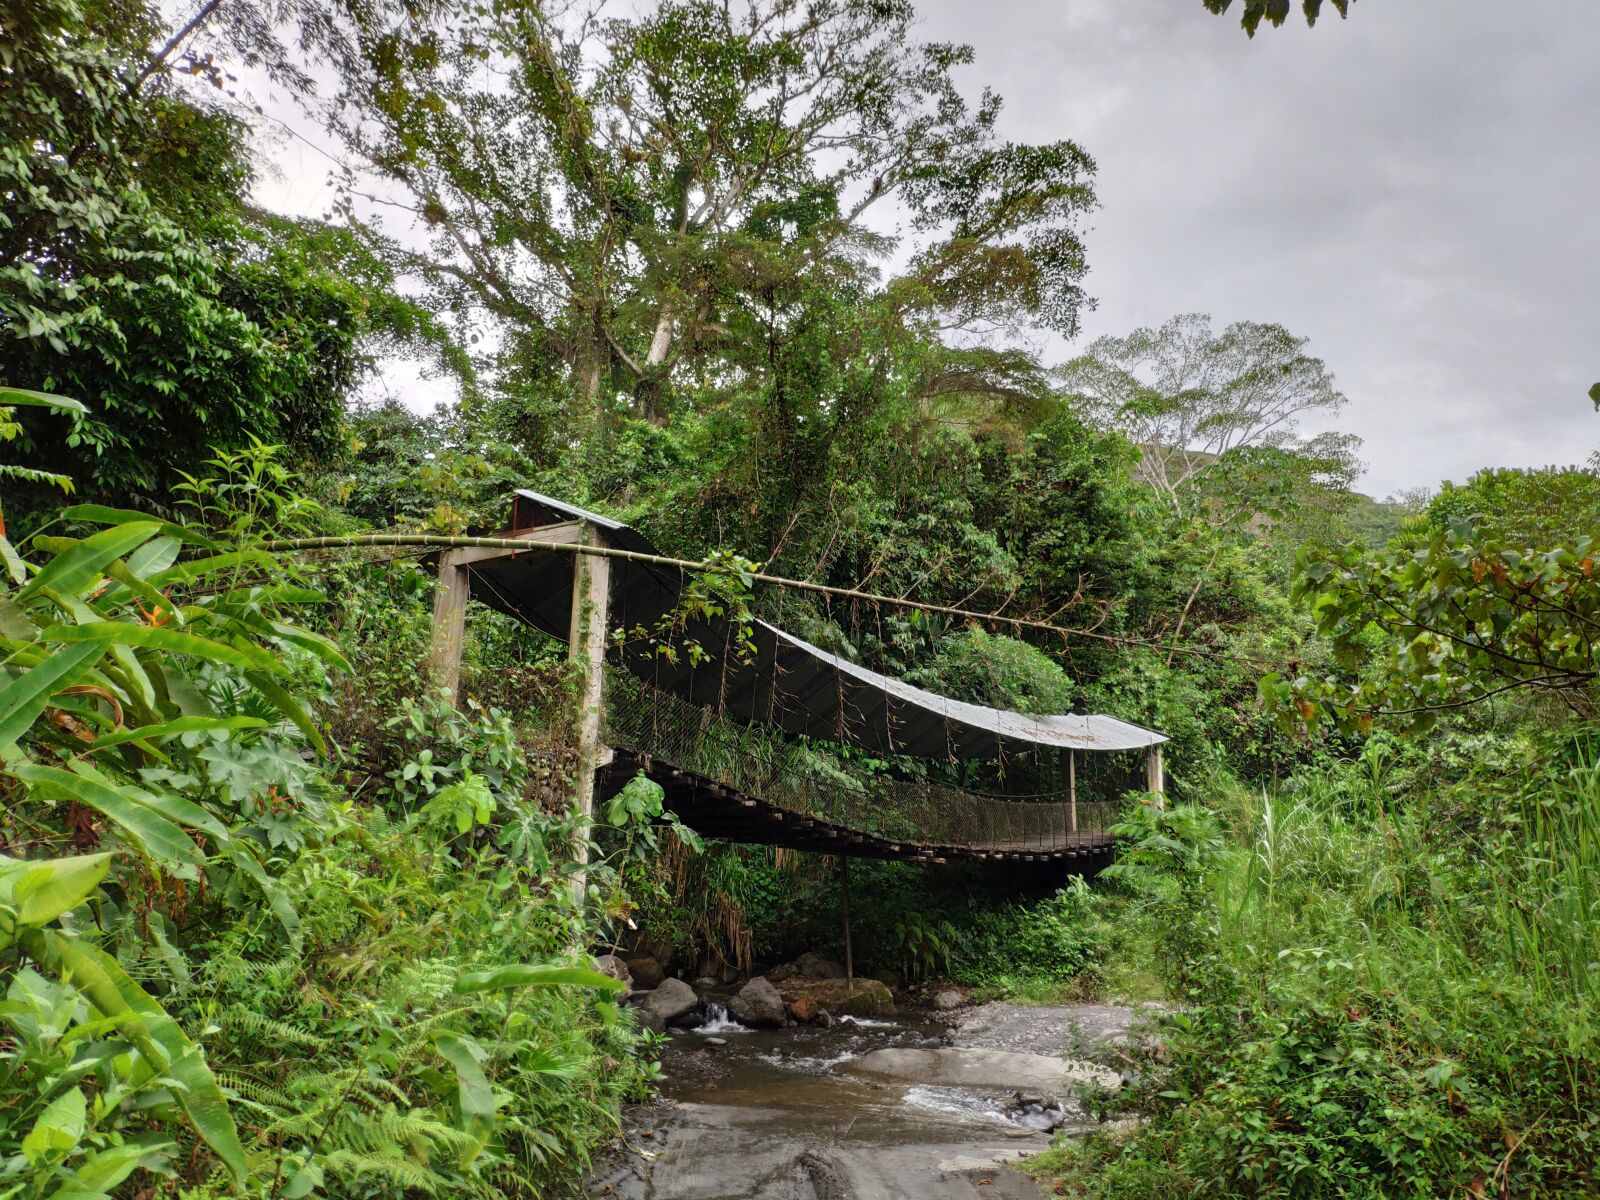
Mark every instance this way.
x=99 y=514
x=78 y=567
x=58 y=1129
x=155 y=637
x=166 y=729
x=159 y=1038
x=161 y=840
x=25 y=697
x=38 y=891
x=475 y=1098
x=517 y=975
x=13 y=397
x=197 y=568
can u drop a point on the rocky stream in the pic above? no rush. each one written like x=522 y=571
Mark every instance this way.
x=931 y=1098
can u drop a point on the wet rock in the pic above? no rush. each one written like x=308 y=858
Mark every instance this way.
x=716 y=1041
x=804 y=1009
x=706 y=985
x=825 y=1019
x=669 y=1000
x=867 y=998
x=610 y=964
x=948 y=1000
x=758 y=1003
x=888 y=978
x=815 y=966
x=646 y=971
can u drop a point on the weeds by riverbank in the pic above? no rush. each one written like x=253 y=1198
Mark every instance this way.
x=1389 y=988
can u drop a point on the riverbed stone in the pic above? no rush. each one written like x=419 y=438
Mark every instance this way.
x=815 y=966
x=948 y=1000
x=965 y=1067
x=610 y=964
x=758 y=1003
x=804 y=1009
x=867 y=998
x=781 y=973
x=668 y=1001
x=646 y=971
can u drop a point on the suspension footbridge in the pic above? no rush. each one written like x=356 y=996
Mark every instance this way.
x=756 y=735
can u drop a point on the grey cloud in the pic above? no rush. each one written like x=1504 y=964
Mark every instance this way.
x=1416 y=189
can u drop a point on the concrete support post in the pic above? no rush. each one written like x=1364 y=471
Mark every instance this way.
x=1155 y=776
x=586 y=647
x=449 y=622
x=1069 y=776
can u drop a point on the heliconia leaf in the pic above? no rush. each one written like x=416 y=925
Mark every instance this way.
x=125 y=633
x=515 y=975
x=198 y=568
x=159 y=838
x=166 y=729
x=14 y=397
x=78 y=567
x=277 y=899
x=281 y=700
x=24 y=699
x=155 y=605
x=40 y=890
x=99 y=514
x=159 y=1038
x=12 y=561
x=475 y=1097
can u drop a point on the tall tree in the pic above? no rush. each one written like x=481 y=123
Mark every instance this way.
x=610 y=191
x=129 y=277
x=1276 y=12
x=1212 y=412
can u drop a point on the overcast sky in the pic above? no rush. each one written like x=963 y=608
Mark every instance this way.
x=1416 y=190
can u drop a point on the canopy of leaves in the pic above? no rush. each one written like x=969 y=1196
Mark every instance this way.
x=1276 y=12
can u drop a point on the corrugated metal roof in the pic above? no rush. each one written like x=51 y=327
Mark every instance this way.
x=789 y=683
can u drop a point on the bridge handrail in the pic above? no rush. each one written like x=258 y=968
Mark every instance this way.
x=793 y=777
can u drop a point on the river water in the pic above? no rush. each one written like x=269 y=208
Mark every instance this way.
x=902 y=1108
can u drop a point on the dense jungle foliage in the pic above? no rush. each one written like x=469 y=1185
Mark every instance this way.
x=279 y=918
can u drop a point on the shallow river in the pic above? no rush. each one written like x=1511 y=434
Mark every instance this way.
x=800 y=1114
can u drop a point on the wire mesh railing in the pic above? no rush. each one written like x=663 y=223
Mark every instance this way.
x=809 y=781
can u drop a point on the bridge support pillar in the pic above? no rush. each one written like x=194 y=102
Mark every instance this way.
x=586 y=648
x=449 y=622
x=844 y=895
x=1069 y=784
x=1155 y=776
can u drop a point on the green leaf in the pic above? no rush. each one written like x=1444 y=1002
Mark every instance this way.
x=37 y=891
x=160 y=839
x=14 y=565
x=99 y=514
x=281 y=700
x=277 y=899
x=125 y=633
x=101 y=1172
x=23 y=398
x=75 y=569
x=198 y=568
x=159 y=1038
x=517 y=975
x=26 y=697
x=166 y=729
x=58 y=1129
x=475 y=1097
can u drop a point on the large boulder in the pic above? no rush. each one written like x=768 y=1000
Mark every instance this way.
x=646 y=971
x=758 y=1004
x=867 y=998
x=804 y=1009
x=610 y=964
x=668 y=1001
x=815 y=966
